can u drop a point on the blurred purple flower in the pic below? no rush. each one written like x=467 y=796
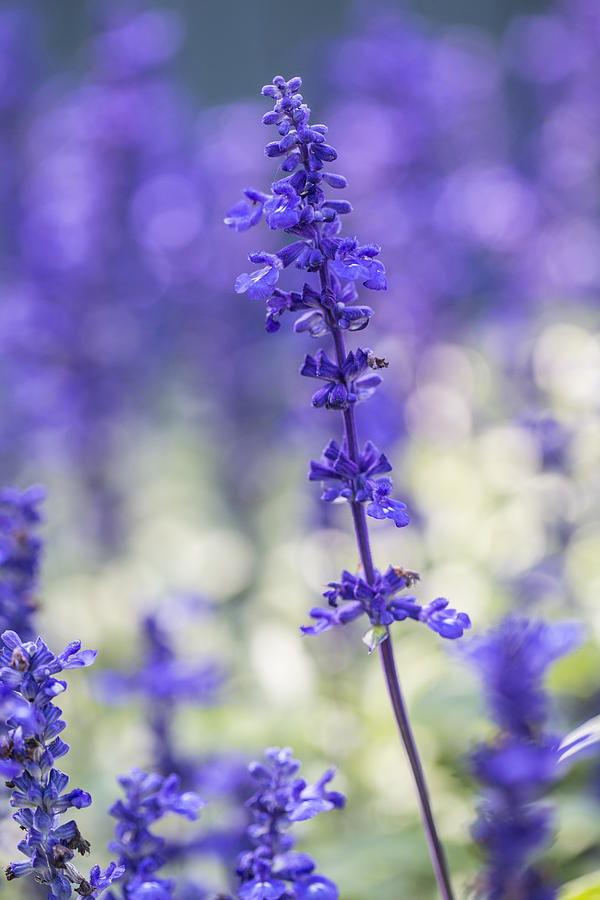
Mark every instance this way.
x=20 y=550
x=522 y=763
x=148 y=797
x=273 y=868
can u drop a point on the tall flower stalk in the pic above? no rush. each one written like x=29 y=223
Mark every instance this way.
x=518 y=767
x=299 y=206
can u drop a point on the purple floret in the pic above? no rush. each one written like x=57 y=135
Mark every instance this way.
x=353 y=596
x=344 y=479
x=358 y=263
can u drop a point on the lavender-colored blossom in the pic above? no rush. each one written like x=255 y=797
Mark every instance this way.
x=260 y=283
x=273 y=869
x=320 y=308
x=244 y=215
x=349 y=479
x=20 y=550
x=28 y=752
x=343 y=479
x=353 y=596
x=148 y=797
x=345 y=384
x=383 y=507
x=522 y=763
x=359 y=263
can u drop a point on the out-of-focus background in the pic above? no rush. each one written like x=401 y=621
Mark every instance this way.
x=173 y=434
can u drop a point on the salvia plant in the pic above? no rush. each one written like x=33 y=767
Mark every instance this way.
x=300 y=206
x=518 y=767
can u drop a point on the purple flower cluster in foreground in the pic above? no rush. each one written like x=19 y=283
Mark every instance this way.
x=521 y=763
x=141 y=853
x=28 y=751
x=273 y=869
x=27 y=756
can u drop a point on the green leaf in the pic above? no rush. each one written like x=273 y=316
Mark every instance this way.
x=587 y=888
x=375 y=636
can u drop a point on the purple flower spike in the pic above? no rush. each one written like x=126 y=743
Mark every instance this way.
x=512 y=660
x=296 y=205
x=300 y=206
x=141 y=853
x=521 y=763
x=273 y=868
x=28 y=750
